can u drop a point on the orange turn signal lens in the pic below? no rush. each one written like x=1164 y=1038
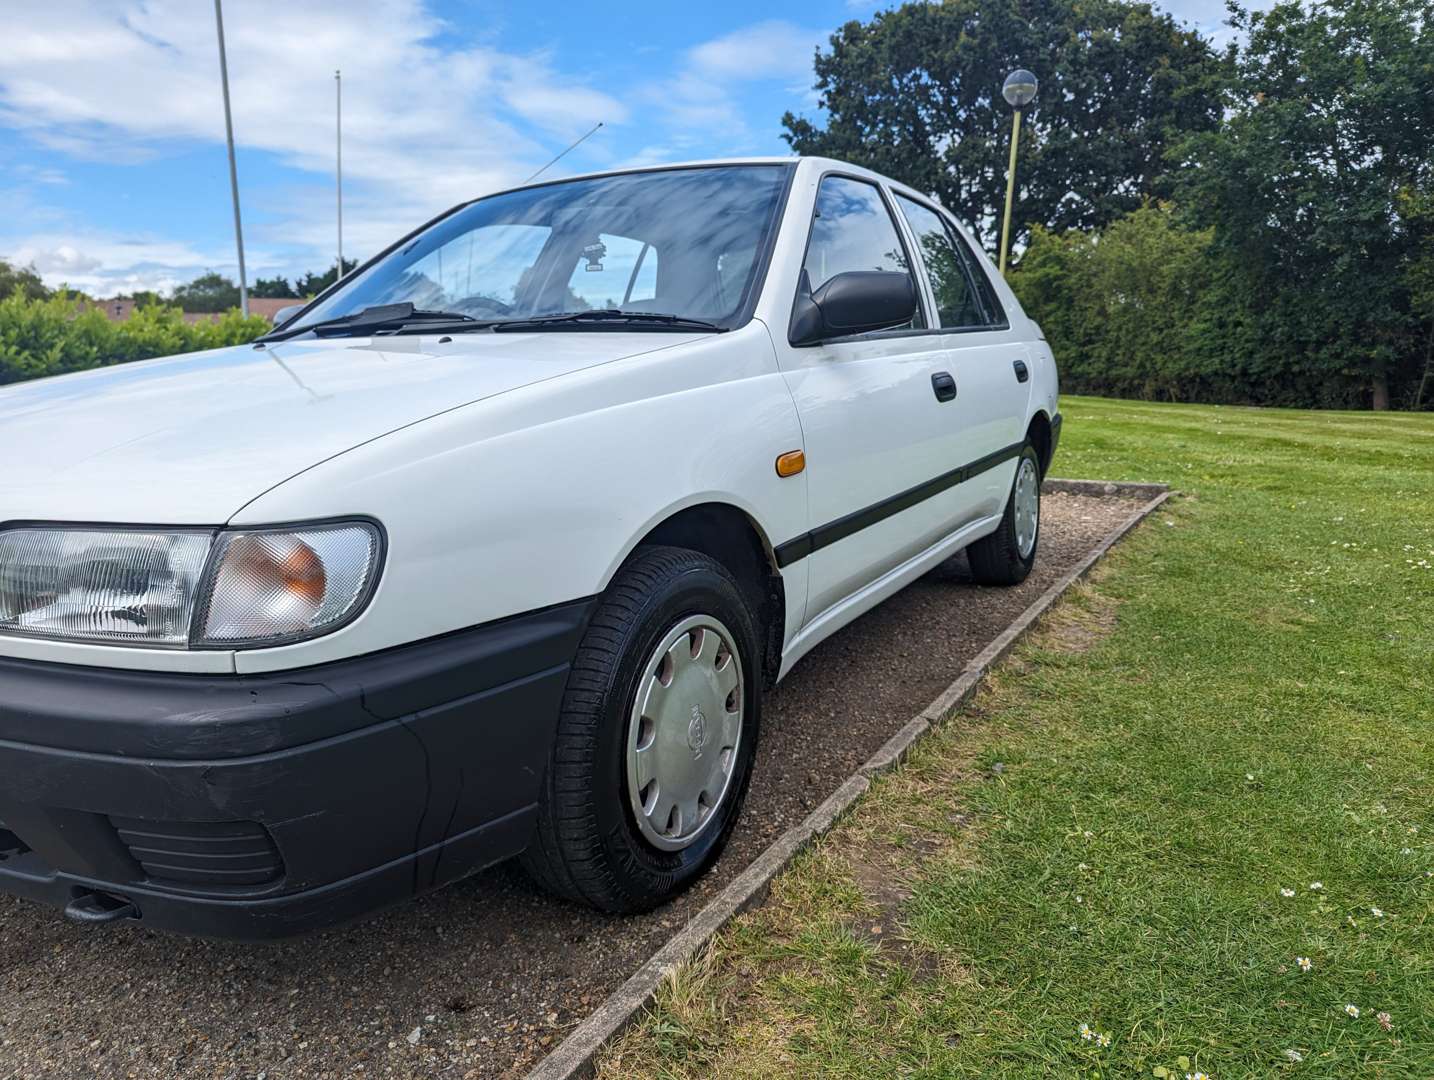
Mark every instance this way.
x=791 y=463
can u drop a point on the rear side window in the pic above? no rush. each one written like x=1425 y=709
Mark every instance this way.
x=964 y=297
x=957 y=305
x=853 y=230
x=995 y=313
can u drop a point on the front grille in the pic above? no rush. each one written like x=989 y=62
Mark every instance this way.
x=202 y=852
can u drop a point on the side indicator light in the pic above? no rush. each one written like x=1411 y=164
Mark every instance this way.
x=791 y=463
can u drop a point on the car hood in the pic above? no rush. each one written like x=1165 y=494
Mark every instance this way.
x=190 y=439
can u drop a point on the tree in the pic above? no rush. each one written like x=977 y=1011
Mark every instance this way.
x=1132 y=310
x=23 y=278
x=311 y=284
x=276 y=288
x=208 y=293
x=1417 y=208
x=915 y=93
x=1330 y=119
x=143 y=298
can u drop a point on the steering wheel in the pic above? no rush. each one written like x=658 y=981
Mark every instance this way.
x=484 y=305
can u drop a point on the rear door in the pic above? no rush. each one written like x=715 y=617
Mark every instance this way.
x=874 y=428
x=989 y=363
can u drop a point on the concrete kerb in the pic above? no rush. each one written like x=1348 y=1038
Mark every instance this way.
x=574 y=1056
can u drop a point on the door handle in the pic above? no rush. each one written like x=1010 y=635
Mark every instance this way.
x=1023 y=373
x=943 y=385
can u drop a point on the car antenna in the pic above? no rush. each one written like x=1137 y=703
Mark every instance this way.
x=564 y=154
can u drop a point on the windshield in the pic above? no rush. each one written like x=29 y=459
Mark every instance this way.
x=684 y=242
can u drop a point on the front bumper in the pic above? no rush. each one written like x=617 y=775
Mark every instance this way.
x=258 y=807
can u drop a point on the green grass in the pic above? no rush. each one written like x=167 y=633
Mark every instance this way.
x=1240 y=702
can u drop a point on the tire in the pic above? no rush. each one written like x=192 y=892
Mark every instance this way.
x=997 y=559
x=589 y=845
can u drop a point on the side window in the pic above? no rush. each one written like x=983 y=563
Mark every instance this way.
x=614 y=271
x=957 y=304
x=995 y=313
x=853 y=230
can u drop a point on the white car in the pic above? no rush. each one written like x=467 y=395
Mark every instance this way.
x=492 y=548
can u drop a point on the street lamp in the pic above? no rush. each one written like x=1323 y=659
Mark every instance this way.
x=1019 y=90
x=339 y=161
x=233 y=171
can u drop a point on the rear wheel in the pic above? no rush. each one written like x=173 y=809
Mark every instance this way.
x=655 y=739
x=1006 y=556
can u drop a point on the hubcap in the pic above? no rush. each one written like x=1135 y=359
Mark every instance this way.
x=1028 y=507
x=684 y=732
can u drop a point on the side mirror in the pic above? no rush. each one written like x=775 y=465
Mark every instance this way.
x=856 y=302
x=284 y=314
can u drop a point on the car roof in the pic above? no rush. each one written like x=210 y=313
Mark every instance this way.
x=824 y=163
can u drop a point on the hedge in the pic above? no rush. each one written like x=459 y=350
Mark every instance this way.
x=61 y=335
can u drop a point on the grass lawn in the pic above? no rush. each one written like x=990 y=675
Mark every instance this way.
x=1211 y=761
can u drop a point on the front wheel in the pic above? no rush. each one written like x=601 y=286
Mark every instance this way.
x=1006 y=556
x=655 y=738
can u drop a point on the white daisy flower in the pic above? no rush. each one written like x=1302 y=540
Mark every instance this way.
x=1352 y=1010
x=1287 y=893
x=1316 y=886
x=1304 y=962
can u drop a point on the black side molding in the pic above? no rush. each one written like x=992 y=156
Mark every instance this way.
x=799 y=547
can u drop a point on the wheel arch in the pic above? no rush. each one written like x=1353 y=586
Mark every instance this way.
x=1038 y=432
x=730 y=535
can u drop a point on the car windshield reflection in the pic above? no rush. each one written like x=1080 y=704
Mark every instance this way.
x=683 y=243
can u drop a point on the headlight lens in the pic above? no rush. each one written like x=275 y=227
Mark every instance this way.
x=110 y=585
x=175 y=588
x=280 y=585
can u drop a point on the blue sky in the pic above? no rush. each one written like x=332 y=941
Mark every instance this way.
x=113 y=173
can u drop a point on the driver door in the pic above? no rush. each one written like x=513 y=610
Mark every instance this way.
x=874 y=425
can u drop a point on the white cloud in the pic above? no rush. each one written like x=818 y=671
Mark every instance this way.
x=103 y=264
x=428 y=121
x=431 y=117
x=765 y=50
x=703 y=97
x=63 y=261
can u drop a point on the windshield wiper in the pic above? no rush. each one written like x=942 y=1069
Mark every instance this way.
x=606 y=316
x=378 y=317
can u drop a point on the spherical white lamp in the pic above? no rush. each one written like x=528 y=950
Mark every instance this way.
x=1019 y=89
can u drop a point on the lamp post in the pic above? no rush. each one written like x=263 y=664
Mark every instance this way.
x=339 y=162
x=1019 y=90
x=233 y=172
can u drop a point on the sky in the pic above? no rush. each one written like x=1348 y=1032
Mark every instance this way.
x=113 y=171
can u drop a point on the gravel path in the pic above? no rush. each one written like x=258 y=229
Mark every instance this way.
x=480 y=979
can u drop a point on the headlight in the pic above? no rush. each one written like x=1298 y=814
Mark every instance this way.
x=118 y=586
x=185 y=587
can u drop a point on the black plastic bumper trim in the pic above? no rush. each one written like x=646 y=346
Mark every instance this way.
x=376 y=778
